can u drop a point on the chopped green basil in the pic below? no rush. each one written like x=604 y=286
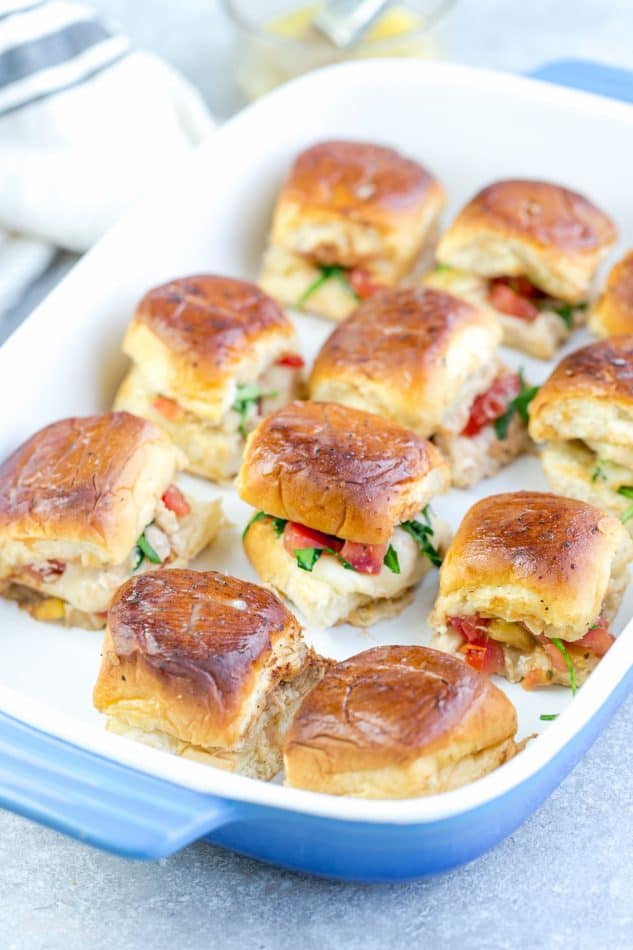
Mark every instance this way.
x=258 y=516
x=391 y=560
x=147 y=550
x=627 y=492
x=566 y=313
x=278 y=523
x=307 y=557
x=568 y=663
x=327 y=272
x=520 y=404
x=442 y=267
x=248 y=395
x=426 y=514
x=548 y=717
x=598 y=472
x=421 y=534
x=278 y=526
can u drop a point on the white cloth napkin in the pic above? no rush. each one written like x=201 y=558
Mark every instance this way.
x=86 y=126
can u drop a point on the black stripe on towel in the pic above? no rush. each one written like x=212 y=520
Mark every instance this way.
x=52 y=49
x=56 y=90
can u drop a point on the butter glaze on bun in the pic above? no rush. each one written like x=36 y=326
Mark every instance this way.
x=613 y=312
x=356 y=183
x=204 y=665
x=338 y=470
x=195 y=337
x=589 y=395
x=414 y=354
x=348 y=204
x=554 y=564
x=584 y=412
x=398 y=722
x=548 y=233
x=89 y=483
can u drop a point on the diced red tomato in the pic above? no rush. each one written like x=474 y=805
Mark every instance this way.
x=362 y=282
x=294 y=360
x=298 y=536
x=523 y=287
x=176 y=501
x=470 y=628
x=597 y=640
x=365 y=558
x=168 y=408
x=504 y=298
x=556 y=657
x=480 y=651
x=493 y=403
x=484 y=655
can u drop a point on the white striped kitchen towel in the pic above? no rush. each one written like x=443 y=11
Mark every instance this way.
x=87 y=124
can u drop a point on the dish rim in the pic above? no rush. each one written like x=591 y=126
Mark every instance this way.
x=613 y=668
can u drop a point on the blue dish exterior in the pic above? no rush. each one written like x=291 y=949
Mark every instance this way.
x=590 y=77
x=135 y=815
x=130 y=813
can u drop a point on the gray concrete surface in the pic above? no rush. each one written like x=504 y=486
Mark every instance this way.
x=565 y=879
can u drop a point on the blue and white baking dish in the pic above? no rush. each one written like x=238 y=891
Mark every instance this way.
x=57 y=763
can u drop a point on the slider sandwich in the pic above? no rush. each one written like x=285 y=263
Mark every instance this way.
x=399 y=722
x=210 y=356
x=530 y=586
x=342 y=528
x=205 y=666
x=613 y=311
x=351 y=218
x=584 y=413
x=429 y=360
x=86 y=503
x=530 y=251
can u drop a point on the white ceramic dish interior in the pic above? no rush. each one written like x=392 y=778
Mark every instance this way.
x=469 y=127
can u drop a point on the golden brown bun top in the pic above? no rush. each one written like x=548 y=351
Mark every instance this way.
x=207 y=322
x=546 y=214
x=211 y=631
x=614 y=309
x=402 y=335
x=79 y=480
x=392 y=704
x=601 y=371
x=338 y=470
x=343 y=175
x=539 y=541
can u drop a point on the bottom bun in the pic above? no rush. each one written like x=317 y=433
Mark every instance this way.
x=540 y=337
x=573 y=469
x=212 y=451
x=286 y=277
x=331 y=594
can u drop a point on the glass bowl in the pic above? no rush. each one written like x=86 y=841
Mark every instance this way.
x=276 y=42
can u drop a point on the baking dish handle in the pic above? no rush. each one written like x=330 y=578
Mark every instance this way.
x=97 y=800
x=611 y=81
